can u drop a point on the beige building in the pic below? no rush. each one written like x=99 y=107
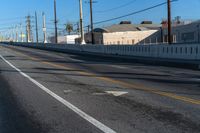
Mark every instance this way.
x=123 y=34
x=128 y=37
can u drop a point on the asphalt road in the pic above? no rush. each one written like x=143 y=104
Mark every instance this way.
x=50 y=92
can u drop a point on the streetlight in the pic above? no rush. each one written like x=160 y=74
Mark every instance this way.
x=44 y=28
x=81 y=22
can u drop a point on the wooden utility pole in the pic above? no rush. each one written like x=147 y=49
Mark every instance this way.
x=28 y=29
x=36 y=27
x=169 y=21
x=21 y=29
x=91 y=21
x=55 y=21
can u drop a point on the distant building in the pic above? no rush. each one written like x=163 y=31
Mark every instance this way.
x=68 y=39
x=182 y=32
x=186 y=33
x=123 y=33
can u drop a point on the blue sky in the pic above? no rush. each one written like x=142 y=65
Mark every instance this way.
x=13 y=12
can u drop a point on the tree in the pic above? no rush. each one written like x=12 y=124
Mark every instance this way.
x=69 y=27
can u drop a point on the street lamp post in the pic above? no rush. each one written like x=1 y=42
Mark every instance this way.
x=81 y=22
x=44 y=28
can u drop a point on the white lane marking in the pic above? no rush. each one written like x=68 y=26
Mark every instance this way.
x=82 y=114
x=120 y=67
x=67 y=91
x=77 y=60
x=116 y=93
x=99 y=94
x=194 y=79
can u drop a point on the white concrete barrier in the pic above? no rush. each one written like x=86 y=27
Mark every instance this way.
x=175 y=51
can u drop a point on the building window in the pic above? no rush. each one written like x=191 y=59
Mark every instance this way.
x=133 y=41
x=176 y=50
x=187 y=36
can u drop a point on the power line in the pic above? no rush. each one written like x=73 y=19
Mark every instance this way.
x=118 y=7
x=11 y=23
x=133 y=13
x=10 y=19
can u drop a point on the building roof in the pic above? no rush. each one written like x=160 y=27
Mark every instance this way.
x=127 y=27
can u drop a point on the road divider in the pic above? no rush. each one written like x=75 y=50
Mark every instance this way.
x=179 y=55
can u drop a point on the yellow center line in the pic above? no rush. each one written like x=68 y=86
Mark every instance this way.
x=122 y=83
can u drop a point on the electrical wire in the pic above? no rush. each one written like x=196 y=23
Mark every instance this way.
x=118 y=7
x=133 y=13
x=11 y=19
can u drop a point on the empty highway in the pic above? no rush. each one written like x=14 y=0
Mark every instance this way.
x=50 y=92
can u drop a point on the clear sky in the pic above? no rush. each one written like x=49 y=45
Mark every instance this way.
x=13 y=12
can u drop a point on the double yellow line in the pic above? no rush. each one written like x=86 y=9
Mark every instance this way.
x=122 y=83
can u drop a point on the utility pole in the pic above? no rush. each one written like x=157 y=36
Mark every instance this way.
x=81 y=22
x=16 y=30
x=55 y=21
x=169 y=21
x=36 y=26
x=28 y=28
x=13 y=34
x=78 y=28
x=44 y=28
x=21 y=32
x=91 y=21
x=88 y=28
